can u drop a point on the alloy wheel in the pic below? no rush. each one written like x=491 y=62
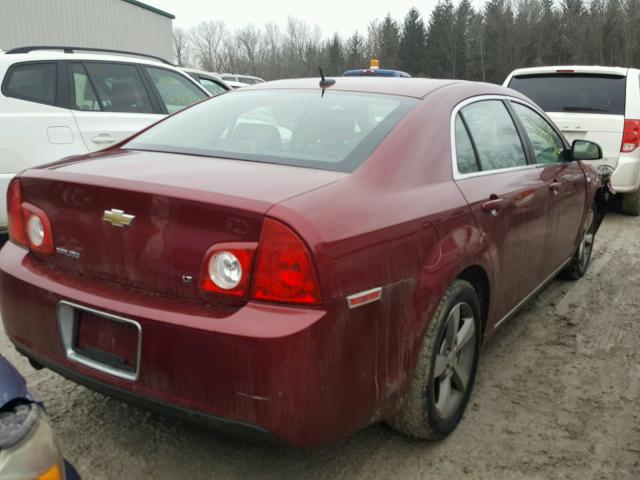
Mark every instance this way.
x=586 y=243
x=454 y=360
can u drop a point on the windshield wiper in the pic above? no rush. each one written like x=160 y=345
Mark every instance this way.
x=583 y=109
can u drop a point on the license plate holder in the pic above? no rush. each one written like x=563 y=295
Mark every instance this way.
x=105 y=342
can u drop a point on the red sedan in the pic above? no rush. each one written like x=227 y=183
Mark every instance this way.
x=297 y=261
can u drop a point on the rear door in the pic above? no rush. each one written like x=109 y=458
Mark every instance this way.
x=110 y=102
x=583 y=105
x=565 y=181
x=508 y=197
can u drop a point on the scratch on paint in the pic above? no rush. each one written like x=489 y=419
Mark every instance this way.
x=254 y=397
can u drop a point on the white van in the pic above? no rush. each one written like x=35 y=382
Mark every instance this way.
x=601 y=104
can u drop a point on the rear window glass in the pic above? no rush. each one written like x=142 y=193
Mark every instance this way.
x=574 y=93
x=35 y=82
x=335 y=131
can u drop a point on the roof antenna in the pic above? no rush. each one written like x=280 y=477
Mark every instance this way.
x=325 y=83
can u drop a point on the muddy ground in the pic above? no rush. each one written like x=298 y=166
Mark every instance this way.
x=557 y=397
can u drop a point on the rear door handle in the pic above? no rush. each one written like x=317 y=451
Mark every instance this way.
x=493 y=206
x=555 y=187
x=103 y=138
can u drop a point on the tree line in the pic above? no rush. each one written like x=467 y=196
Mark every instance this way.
x=457 y=41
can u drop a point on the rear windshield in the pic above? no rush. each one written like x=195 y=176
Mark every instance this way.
x=574 y=92
x=335 y=131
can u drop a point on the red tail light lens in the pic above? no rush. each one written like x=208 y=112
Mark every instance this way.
x=227 y=268
x=631 y=136
x=284 y=271
x=14 y=210
x=28 y=225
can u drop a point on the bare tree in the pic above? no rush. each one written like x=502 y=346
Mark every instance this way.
x=181 y=47
x=250 y=46
x=208 y=39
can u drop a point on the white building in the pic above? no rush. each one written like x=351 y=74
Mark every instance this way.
x=115 y=24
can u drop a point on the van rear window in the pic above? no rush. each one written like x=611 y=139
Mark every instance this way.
x=585 y=93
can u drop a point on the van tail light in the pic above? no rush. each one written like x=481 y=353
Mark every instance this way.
x=29 y=226
x=284 y=271
x=17 y=232
x=227 y=268
x=631 y=136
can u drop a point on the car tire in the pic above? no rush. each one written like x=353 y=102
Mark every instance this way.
x=582 y=257
x=426 y=413
x=631 y=203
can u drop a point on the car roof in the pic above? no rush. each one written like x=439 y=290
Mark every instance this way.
x=59 y=55
x=234 y=84
x=408 y=87
x=248 y=76
x=568 y=69
x=376 y=71
x=202 y=72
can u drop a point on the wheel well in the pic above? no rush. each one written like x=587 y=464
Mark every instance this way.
x=477 y=277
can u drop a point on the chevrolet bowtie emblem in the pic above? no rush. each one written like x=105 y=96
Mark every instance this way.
x=118 y=218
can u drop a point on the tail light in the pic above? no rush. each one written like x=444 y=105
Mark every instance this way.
x=284 y=271
x=17 y=232
x=227 y=268
x=631 y=136
x=28 y=225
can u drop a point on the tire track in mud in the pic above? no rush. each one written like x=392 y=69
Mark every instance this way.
x=557 y=398
x=565 y=381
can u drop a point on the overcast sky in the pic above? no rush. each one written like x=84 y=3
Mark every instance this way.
x=342 y=16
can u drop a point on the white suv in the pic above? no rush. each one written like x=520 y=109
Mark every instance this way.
x=601 y=104
x=59 y=103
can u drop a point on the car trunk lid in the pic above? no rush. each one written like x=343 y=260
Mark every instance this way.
x=181 y=205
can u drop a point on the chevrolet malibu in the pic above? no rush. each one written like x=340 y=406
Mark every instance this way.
x=299 y=260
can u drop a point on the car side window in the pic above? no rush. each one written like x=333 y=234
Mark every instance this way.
x=119 y=87
x=84 y=96
x=212 y=87
x=34 y=82
x=465 y=156
x=175 y=90
x=494 y=134
x=547 y=144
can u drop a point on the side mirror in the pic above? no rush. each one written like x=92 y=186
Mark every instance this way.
x=585 y=150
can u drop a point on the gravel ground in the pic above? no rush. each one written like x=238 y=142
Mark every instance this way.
x=557 y=398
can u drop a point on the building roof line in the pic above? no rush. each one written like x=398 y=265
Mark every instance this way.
x=150 y=8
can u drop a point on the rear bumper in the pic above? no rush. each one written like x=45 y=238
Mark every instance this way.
x=226 y=426
x=626 y=177
x=306 y=376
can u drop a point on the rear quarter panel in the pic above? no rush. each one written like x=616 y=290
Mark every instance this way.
x=400 y=223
